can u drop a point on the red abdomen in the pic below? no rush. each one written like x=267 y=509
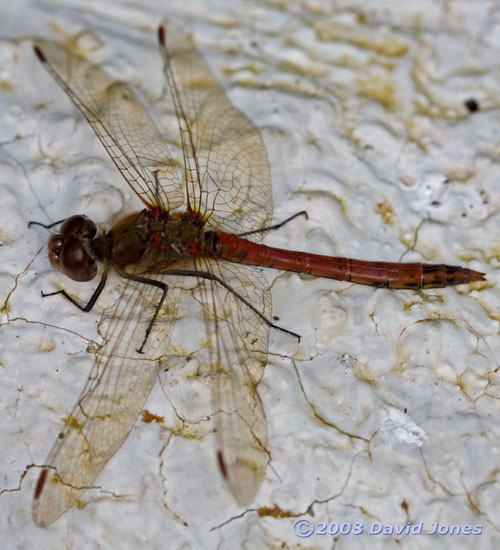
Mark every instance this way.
x=381 y=274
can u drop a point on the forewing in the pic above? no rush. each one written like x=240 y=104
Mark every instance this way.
x=227 y=171
x=238 y=338
x=121 y=123
x=111 y=401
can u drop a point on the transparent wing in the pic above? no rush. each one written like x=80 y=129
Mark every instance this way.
x=111 y=400
x=226 y=167
x=239 y=342
x=227 y=178
x=120 y=122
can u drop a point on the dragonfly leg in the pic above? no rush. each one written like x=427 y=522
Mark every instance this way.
x=158 y=284
x=93 y=299
x=45 y=226
x=276 y=225
x=212 y=277
x=157 y=187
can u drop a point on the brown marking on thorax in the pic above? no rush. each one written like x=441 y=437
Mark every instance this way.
x=154 y=240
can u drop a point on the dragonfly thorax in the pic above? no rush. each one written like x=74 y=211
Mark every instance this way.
x=154 y=240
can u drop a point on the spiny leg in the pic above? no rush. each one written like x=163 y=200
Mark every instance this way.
x=276 y=225
x=212 y=277
x=152 y=282
x=93 y=299
x=46 y=226
x=156 y=192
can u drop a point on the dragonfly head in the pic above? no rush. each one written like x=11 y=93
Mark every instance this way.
x=73 y=250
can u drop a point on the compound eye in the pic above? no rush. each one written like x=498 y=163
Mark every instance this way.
x=55 y=245
x=75 y=261
x=72 y=225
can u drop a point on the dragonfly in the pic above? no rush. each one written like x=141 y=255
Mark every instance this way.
x=197 y=237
